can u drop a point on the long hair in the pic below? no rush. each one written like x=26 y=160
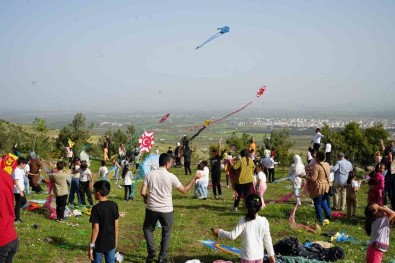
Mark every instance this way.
x=253 y=203
x=243 y=153
x=369 y=220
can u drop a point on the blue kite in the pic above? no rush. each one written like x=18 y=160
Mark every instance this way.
x=222 y=30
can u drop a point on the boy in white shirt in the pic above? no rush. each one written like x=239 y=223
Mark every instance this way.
x=18 y=176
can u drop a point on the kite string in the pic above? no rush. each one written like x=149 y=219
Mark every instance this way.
x=208 y=40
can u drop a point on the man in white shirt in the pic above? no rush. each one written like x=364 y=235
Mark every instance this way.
x=328 y=151
x=157 y=194
x=317 y=139
x=18 y=176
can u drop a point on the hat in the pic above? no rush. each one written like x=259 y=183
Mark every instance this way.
x=33 y=155
x=340 y=154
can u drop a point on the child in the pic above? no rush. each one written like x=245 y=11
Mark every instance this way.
x=261 y=182
x=60 y=189
x=75 y=179
x=376 y=185
x=255 y=233
x=377 y=226
x=103 y=171
x=270 y=163
x=351 y=194
x=104 y=219
x=18 y=178
x=86 y=180
x=200 y=184
x=127 y=176
x=296 y=170
x=116 y=167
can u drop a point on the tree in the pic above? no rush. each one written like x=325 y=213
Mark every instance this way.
x=41 y=130
x=281 y=142
x=239 y=143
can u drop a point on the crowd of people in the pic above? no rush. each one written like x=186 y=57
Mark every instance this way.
x=247 y=173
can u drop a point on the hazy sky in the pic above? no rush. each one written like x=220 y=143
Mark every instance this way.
x=140 y=55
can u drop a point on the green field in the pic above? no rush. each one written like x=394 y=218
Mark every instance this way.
x=51 y=241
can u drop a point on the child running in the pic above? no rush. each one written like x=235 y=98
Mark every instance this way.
x=377 y=226
x=255 y=233
x=104 y=219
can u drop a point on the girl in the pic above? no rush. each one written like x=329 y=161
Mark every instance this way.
x=200 y=184
x=103 y=170
x=85 y=183
x=127 y=176
x=377 y=226
x=297 y=169
x=116 y=167
x=376 y=185
x=270 y=167
x=255 y=233
x=351 y=194
x=261 y=182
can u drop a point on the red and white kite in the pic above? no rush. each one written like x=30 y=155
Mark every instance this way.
x=261 y=91
x=146 y=141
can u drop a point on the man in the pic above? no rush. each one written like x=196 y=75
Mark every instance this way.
x=328 y=151
x=9 y=242
x=157 y=194
x=317 y=139
x=34 y=173
x=341 y=170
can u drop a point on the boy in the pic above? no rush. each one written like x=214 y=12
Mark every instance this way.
x=104 y=219
x=103 y=171
x=18 y=176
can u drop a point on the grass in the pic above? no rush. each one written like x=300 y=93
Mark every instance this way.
x=44 y=240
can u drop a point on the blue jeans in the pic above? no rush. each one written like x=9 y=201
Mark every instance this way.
x=320 y=202
x=8 y=251
x=201 y=189
x=74 y=190
x=109 y=256
x=26 y=183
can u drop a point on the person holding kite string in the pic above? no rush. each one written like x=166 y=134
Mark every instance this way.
x=255 y=233
x=215 y=162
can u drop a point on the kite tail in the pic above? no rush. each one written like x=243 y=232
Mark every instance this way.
x=236 y=111
x=134 y=186
x=195 y=135
x=208 y=40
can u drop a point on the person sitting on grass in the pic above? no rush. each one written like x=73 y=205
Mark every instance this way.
x=201 y=184
x=104 y=219
x=255 y=233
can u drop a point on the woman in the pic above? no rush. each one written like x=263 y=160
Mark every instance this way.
x=244 y=178
x=297 y=169
x=121 y=152
x=105 y=152
x=319 y=186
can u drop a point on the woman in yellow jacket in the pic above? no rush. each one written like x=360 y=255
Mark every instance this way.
x=244 y=167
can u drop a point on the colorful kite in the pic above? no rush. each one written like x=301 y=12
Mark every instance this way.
x=223 y=248
x=90 y=140
x=151 y=162
x=222 y=30
x=8 y=163
x=261 y=91
x=146 y=141
x=71 y=143
x=164 y=118
x=295 y=225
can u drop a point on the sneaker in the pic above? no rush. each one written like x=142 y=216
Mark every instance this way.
x=18 y=221
x=233 y=209
x=150 y=259
x=201 y=197
x=325 y=222
x=194 y=197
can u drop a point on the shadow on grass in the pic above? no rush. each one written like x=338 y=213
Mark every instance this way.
x=61 y=243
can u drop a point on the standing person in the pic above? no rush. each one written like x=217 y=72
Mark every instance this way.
x=157 y=194
x=9 y=242
x=317 y=139
x=376 y=184
x=319 y=186
x=121 y=152
x=116 y=167
x=341 y=170
x=85 y=183
x=60 y=189
x=187 y=160
x=35 y=173
x=75 y=180
x=127 y=179
x=255 y=233
x=177 y=154
x=18 y=177
x=309 y=155
x=26 y=178
x=352 y=201
x=270 y=163
x=170 y=151
x=377 y=226
x=105 y=151
x=252 y=145
x=215 y=162
x=261 y=182
x=69 y=155
x=104 y=219
x=244 y=178
x=297 y=169
x=328 y=151
x=156 y=150
x=103 y=170
x=377 y=157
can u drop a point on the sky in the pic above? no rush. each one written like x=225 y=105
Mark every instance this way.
x=126 y=56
